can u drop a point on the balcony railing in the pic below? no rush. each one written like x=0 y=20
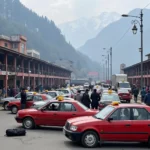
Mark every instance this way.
x=32 y=71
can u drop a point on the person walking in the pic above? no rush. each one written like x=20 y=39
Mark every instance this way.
x=143 y=94
x=78 y=96
x=147 y=98
x=23 y=98
x=135 y=93
x=4 y=92
x=86 y=99
x=95 y=99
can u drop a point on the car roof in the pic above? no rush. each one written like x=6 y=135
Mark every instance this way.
x=72 y=101
x=132 y=105
x=113 y=93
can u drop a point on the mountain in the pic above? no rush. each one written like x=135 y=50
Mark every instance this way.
x=43 y=35
x=119 y=35
x=79 y=31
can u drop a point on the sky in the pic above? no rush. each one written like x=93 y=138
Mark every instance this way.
x=61 y=11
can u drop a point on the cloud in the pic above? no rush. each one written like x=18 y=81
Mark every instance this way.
x=66 y=10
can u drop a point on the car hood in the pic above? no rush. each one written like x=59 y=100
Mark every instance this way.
x=28 y=110
x=8 y=99
x=83 y=120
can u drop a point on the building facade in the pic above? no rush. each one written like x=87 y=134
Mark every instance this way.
x=17 y=69
x=134 y=72
x=33 y=53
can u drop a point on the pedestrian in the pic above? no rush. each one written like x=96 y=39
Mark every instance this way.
x=147 y=88
x=78 y=96
x=23 y=98
x=86 y=99
x=135 y=93
x=4 y=92
x=95 y=97
x=147 y=98
x=143 y=94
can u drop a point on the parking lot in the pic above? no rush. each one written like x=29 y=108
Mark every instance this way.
x=46 y=138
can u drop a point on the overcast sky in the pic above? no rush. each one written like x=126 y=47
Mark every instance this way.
x=66 y=10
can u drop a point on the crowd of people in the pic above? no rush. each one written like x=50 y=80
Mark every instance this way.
x=87 y=100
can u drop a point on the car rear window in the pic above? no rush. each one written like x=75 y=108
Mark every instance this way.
x=65 y=91
x=110 y=97
x=52 y=94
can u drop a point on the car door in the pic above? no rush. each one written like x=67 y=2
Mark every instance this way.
x=119 y=128
x=29 y=102
x=47 y=116
x=141 y=124
x=67 y=111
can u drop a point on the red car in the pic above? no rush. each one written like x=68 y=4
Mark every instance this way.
x=116 y=122
x=14 y=106
x=125 y=95
x=54 y=113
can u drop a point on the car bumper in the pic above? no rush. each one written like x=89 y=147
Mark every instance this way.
x=19 y=120
x=73 y=136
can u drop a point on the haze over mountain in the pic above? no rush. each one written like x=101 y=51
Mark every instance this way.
x=119 y=35
x=77 y=32
x=44 y=36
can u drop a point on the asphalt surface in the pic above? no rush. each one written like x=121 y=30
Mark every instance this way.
x=46 y=138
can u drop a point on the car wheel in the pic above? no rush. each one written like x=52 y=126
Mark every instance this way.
x=28 y=123
x=5 y=106
x=14 y=109
x=90 y=139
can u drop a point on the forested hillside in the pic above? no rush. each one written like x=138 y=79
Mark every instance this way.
x=42 y=35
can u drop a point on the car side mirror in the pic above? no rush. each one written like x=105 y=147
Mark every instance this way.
x=109 y=119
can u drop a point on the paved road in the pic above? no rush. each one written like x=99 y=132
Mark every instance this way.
x=47 y=139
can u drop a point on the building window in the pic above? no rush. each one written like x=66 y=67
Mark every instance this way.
x=5 y=44
x=15 y=46
x=22 y=48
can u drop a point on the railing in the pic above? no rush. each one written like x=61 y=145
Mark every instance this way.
x=31 y=71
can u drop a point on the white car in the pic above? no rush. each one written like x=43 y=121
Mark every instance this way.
x=67 y=93
x=54 y=93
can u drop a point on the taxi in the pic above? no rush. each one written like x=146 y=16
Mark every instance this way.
x=107 y=98
x=54 y=113
x=14 y=106
x=116 y=122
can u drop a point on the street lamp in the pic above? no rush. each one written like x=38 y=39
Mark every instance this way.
x=134 y=29
x=29 y=77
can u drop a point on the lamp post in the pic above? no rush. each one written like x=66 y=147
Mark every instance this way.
x=105 y=59
x=134 y=29
x=29 y=77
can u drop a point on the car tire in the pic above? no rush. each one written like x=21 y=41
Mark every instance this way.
x=28 y=123
x=14 y=109
x=5 y=106
x=90 y=139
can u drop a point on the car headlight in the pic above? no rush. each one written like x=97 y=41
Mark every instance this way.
x=73 y=128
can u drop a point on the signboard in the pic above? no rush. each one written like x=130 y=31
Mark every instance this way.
x=95 y=74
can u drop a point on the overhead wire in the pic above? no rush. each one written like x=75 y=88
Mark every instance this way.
x=146 y=5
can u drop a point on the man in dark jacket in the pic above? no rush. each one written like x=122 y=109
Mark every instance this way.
x=23 y=99
x=135 y=93
x=86 y=99
x=143 y=94
x=95 y=99
x=147 y=98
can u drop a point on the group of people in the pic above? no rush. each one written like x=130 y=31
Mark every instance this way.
x=87 y=100
x=145 y=95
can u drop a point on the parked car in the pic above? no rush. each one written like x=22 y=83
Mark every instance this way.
x=67 y=92
x=125 y=95
x=54 y=93
x=107 y=99
x=4 y=102
x=54 y=113
x=14 y=106
x=116 y=122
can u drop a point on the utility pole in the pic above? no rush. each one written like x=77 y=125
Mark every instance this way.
x=106 y=70
x=111 y=63
x=108 y=67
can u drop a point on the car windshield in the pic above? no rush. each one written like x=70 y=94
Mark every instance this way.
x=104 y=112
x=123 y=91
x=83 y=106
x=124 y=85
x=60 y=93
x=110 y=97
x=65 y=91
x=52 y=94
x=41 y=104
x=49 y=97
